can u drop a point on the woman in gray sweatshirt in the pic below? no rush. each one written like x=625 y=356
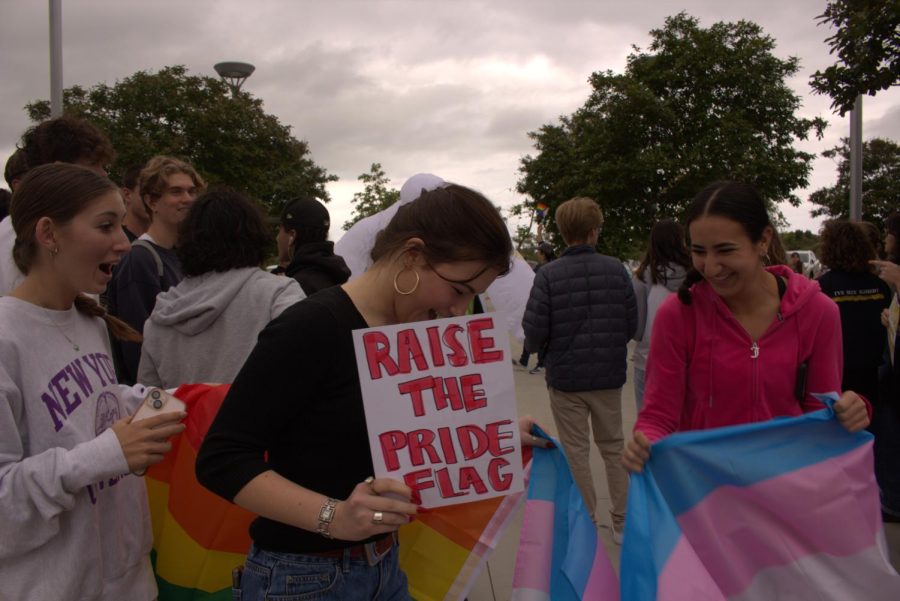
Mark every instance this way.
x=74 y=521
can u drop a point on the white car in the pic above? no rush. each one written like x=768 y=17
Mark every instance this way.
x=811 y=266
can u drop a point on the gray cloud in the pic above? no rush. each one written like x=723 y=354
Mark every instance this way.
x=886 y=126
x=448 y=87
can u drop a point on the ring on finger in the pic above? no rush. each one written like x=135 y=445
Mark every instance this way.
x=378 y=518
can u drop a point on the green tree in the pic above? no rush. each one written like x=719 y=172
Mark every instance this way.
x=230 y=141
x=700 y=105
x=799 y=240
x=867 y=44
x=375 y=197
x=881 y=182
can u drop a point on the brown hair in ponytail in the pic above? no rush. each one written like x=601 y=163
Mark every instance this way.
x=684 y=291
x=59 y=191
x=117 y=327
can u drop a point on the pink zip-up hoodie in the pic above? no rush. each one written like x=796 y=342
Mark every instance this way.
x=704 y=371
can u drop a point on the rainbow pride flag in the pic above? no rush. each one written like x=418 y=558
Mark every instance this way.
x=785 y=509
x=560 y=557
x=200 y=537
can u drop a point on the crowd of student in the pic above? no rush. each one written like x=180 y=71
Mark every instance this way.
x=726 y=334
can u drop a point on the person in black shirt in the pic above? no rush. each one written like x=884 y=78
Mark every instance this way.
x=886 y=418
x=290 y=441
x=861 y=297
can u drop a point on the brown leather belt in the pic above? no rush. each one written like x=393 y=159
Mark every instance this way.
x=373 y=552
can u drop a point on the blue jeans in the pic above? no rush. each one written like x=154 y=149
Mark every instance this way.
x=271 y=576
x=639 y=388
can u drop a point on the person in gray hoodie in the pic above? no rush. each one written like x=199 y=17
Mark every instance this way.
x=204 y=328
x=660 y=273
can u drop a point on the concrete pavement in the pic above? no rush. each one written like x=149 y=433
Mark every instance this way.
x=495 y=581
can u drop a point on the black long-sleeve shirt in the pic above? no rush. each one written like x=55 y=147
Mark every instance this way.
x=298 y=399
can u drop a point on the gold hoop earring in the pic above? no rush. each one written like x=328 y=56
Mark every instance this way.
x=54 y=251
x=411 y=290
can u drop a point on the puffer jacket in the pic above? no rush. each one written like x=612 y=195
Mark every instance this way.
x=582 y=308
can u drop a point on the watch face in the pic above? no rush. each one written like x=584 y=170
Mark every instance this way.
x=326 y=514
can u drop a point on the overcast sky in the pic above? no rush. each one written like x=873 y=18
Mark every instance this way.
x=448 y=87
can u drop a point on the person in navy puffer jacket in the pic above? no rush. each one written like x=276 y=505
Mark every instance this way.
x=582 y=312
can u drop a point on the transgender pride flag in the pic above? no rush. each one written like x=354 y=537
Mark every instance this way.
x=560 y=557
x=786 y=509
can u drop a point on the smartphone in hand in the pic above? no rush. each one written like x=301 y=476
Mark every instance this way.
x=156 y=402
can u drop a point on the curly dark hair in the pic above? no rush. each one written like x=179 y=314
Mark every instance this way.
x=845 y=247
x=66 y=139
x=874 y=235
x=224 y=230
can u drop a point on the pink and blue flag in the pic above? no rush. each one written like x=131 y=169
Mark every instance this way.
x=786 y=509
x=560 y=556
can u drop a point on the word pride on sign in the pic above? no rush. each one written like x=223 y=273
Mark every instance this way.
x=441 y=408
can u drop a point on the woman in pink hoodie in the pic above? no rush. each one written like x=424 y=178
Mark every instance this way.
x=741 y=342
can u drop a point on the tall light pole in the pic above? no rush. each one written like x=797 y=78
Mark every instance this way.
x=856 y=159
x=56 y=86
x=234 y=74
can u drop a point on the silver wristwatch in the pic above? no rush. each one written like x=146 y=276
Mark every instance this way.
x=326 y=515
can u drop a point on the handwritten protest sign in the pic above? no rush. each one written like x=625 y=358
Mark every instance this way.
x=441 y=409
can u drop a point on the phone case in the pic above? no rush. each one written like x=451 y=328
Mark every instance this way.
x=156 y=402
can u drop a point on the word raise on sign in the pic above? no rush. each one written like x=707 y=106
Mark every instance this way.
x=441 y=409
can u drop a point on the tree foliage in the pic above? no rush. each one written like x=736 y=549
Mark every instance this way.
x=375 y=197
x=230 y=141
x=867 y=44
x=881 y=182
x=799 y=240
x=700 y=105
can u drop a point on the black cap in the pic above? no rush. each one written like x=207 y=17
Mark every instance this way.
x=306 y=213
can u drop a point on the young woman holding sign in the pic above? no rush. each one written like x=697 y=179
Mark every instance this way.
x=290 y=442
x=741 y=342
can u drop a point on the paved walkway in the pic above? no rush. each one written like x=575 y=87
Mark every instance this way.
x=495 y=582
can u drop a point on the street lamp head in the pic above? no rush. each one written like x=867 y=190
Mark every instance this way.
x=234 y=74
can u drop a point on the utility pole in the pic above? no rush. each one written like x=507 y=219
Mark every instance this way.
x=56 y=85
x=856 y=158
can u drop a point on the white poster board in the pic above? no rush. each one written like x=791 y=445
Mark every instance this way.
x=441 y=408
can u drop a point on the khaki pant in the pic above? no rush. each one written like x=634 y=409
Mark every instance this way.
x=571 y=411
